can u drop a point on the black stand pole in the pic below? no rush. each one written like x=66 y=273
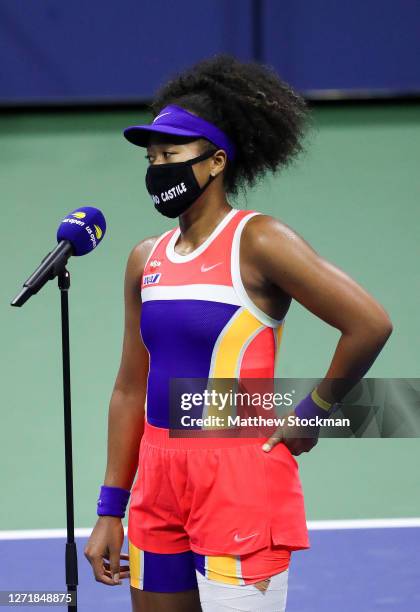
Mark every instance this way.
x=71 y=550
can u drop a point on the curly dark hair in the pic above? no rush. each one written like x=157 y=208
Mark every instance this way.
x=261 y=114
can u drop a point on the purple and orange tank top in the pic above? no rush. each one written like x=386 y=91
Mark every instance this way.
x=197 y=320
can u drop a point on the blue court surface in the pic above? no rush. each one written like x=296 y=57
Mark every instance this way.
x=347 y=569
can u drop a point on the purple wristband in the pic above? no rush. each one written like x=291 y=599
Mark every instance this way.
x=112 y=501
x=309 y=409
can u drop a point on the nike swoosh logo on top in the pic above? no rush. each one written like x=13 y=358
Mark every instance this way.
x=159 y=116
x=207 y=268
x=238 y=539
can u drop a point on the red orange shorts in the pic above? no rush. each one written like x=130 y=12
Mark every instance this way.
x=216 y=497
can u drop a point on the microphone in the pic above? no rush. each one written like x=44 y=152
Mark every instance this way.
x=78 y=234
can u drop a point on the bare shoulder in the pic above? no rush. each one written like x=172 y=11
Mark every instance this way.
x=265 y=233
x=139 y=254
x=133 y=273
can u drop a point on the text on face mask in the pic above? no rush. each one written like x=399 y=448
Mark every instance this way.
x=170 y=194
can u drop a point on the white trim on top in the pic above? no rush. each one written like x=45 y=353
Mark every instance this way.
x=211 y=293
x=244 y=347
x=237 y=280
x=276 y=349
x=175 y=257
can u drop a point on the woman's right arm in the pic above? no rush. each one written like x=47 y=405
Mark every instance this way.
x=125 y=422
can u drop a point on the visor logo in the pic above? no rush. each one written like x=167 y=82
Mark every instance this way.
x=159 y=116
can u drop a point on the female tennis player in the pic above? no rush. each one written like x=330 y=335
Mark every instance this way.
x=213 y=520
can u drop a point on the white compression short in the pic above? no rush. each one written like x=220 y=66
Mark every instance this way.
x=218 y=597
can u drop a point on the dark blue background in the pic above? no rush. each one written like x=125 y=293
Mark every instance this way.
x=79 y=51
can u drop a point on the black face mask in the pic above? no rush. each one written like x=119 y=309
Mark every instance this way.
x=173 y=187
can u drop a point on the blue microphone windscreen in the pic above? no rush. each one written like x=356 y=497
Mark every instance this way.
x=84 y=228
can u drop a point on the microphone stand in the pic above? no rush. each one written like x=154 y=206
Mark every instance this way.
x=71 y=550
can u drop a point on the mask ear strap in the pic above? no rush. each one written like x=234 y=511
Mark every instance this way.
x=211 y=178
x=201 y=157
